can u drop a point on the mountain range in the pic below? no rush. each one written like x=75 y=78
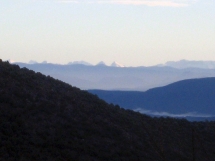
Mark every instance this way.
x=190 y=64
x=117 y=78
x=181 y=64
x=42 y=118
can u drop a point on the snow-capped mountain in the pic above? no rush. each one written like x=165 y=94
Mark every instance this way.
x=79 y=62
x=116 y=64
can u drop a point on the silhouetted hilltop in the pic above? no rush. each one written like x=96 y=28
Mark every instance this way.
x=45 y=119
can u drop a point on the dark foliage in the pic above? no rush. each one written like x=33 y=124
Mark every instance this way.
x=45 y=119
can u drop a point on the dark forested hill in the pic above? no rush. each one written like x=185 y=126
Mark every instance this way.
x=45 y=119
x=193 y=96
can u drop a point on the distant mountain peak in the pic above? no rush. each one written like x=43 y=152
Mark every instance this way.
x=101 y=63
x=190 y=64
x=79 y=62
x=44 y=62
x=32 y=62
x=116 y=64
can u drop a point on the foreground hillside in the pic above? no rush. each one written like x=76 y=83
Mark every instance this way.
x=45 y=119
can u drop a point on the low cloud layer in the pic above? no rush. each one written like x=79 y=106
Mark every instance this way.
x=155 y=113
x=165 y=3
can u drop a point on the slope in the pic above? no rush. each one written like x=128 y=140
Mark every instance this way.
x=45 y=119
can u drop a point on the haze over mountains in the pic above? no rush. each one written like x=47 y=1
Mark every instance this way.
x=190 y=64
x=118 y=77
x=181 y=64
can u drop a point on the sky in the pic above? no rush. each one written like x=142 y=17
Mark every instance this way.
x=131 y=32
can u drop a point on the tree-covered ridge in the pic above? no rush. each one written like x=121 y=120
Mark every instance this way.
x=45 y=119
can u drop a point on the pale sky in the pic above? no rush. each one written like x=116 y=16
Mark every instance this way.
x=131 y=32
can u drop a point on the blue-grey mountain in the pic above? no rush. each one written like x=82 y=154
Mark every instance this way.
x=190 y=64
x=192 y=97
x=117 y=78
